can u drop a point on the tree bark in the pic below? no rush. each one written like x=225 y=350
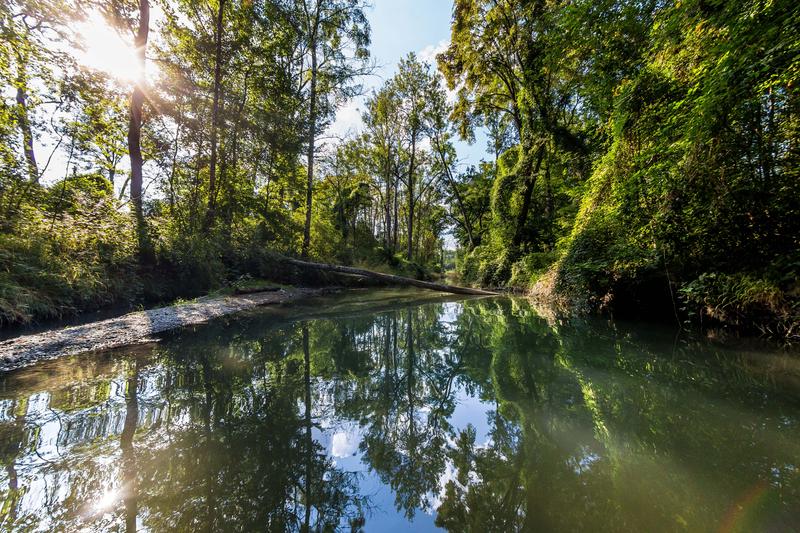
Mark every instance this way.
x=233 y=157
x=527 y=195
x=387 y=201
x=396 y=220
x=411 y=200
x=27 y=132
x=135 y=125
x=23 y=116
x=389 y=278
x=312 y=135
x=212 y=170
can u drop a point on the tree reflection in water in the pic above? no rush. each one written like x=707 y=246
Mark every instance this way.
x=477 y=415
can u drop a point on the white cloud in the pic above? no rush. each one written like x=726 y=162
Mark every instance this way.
x=344 y=444
x=430 y=52
x=348 y=119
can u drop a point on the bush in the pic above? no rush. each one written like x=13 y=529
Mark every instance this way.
x=57 y=264
x=526 y=271
x=486 y=267
x=745 y=300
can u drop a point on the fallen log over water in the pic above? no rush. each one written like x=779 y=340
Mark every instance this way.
x=389 y=278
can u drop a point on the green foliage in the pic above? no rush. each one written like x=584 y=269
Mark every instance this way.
x=526 y=271
x=55 y=265
x=486 y=266
x=670 y=142
x=644 y=151
x=744 y=300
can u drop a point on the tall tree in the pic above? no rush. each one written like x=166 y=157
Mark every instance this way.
x=135 y=123
x=412 y=83
x=215 y=112
x=22 y=53
x=501 y=61
x=439 y=131
x=334 y=40
x=383 y=135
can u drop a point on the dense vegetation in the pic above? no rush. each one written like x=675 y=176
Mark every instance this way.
x=653 y=153
x=645 y=154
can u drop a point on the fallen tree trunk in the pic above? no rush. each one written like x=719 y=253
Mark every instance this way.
x=389 y=278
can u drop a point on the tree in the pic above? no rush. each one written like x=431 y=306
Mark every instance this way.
x=412 y=83
x=439 y=131
x=135 y=125
x=501 y=61
x=383 y=135
x=334 y=39
x=215 y=111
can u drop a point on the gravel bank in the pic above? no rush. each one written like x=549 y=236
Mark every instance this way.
x=133 y=328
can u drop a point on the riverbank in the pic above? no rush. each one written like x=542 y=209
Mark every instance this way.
x=134 y=328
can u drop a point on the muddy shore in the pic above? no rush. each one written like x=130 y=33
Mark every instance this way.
x=133 y=328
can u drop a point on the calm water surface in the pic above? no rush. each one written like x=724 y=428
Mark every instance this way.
x=389 y=411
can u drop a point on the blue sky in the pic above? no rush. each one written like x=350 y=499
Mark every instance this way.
x=400 y=27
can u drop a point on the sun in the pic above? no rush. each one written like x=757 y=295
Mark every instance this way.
x=107 y=51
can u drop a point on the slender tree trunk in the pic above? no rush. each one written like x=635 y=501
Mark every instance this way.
x=770 y=138
x=135 y=126
x=174 y=166
x=212 y=171
x=309 y=444
x=25 y=126
x=23 y=116
x=234 y=158
x=396 y=220
x=457 y=195
x=312 y=135
x=550 y=205
x=411 y=199
x=126 y=444
x=387 y=204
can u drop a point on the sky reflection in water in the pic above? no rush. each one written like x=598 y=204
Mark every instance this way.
x=351 y=412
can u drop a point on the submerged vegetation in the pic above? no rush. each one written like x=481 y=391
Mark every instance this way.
x=644 y=154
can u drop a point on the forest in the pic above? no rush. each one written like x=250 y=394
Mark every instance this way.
x=642 y=154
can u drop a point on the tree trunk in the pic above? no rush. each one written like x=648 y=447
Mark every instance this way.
x=457 y=195
x=22 y=113
x=411 y=199
x=25 y=127
x=135 y=126
x=530 y=183
x=212 y=171
x=389 y=278
x=387 y=202
x=234 y=157
x=312 y=135
x=396 y=220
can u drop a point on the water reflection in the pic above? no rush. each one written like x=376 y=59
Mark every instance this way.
x=470 y=415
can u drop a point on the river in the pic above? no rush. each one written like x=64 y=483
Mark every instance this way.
x=402 y=410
